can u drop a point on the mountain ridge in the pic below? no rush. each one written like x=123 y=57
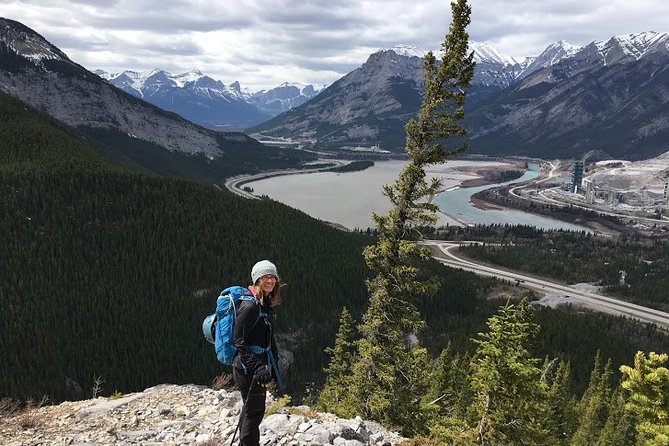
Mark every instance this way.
x=126 y=128
x=207 y=101
x=508 y=102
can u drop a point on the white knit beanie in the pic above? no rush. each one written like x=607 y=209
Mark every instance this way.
x=262 y=268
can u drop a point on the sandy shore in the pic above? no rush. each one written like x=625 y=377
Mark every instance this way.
x=478 y=176
x=447 y=220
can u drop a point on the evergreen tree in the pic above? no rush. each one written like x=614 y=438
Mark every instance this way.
x=510 y=397
x=619 y=429
x=336 y=397
x=561 y=418
x=648 y=386
x=449 y=392
x=593 y=407
x=448 y=397
x=390 y=375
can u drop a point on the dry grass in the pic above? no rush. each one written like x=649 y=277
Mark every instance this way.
x=9 y=407
x=421 y=441
x=278 y=405
x=28 y=416
x=223 y=381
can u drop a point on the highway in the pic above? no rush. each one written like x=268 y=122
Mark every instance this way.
x=234 y=184
x=587 y=299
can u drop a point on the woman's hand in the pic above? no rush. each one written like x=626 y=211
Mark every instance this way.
x=263 y=375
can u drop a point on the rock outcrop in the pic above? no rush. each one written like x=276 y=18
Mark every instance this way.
x=181 y=415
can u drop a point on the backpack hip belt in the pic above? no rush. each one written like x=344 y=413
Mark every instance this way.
x=272 y=361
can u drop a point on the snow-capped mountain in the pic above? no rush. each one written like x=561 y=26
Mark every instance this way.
x=552 y=55
x=283 y=98
x=36 y=72
x=124 y=127
x=494 y=69
x=484 y=53
x=209 y=102
x=632 y=46
x=139 y=83
x=193 y=95
x=610 y=95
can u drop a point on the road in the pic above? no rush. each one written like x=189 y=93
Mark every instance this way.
x=234 y=184
x=588 y=299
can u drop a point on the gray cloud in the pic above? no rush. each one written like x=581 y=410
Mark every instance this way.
x=262 y=43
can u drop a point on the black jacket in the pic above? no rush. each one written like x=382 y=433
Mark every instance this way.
x=251 y=330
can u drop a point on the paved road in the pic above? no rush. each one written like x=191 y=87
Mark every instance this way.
x=234 y=184
x=585 y=298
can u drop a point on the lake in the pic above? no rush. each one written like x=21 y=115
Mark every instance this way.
x=349 y=198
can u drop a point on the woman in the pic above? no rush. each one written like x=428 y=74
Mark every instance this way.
x=255 y=367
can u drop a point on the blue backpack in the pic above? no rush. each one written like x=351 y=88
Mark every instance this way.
x=219 y=327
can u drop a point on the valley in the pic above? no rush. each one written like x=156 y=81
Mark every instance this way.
x=128 y=203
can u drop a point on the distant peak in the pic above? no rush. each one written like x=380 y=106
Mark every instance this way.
x=564 y=45
x=408 y=50
x=554 y=53
x=634 y=44
x=405 y=50
x=153 y=72
x=486 y=53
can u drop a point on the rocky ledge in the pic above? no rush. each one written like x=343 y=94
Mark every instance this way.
x=181 y=415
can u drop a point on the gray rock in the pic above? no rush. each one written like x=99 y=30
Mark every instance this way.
x=183 y=415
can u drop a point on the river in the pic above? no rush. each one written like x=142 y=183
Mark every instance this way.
x=349 y=198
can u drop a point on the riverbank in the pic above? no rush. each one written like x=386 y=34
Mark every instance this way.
x=349 y=199
x=483 y=175
x=502 y=199
x=492 y=174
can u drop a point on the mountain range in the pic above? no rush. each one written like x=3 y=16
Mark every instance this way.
x=209 y=102
x=609 y=97
x=125 y=128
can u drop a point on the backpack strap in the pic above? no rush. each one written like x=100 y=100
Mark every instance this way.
x=261 y=313
x=258 y=350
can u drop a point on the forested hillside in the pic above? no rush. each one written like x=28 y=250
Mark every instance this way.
x=108 y=273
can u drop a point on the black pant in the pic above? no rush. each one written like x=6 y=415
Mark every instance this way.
x=254 y=410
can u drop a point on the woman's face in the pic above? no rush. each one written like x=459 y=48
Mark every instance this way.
x=266 y=283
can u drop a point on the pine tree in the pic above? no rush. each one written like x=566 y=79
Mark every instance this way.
x=561 y=418
x=593 y=407
x=336 y=396
x=648 y=386
x=619 y=429
x=448 y=397
x=510 y=397
x=390 y=374
x=449 y=391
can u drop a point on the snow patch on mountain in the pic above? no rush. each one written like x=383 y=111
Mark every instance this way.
x=485 y=53
x=30 y=45
x=404 y=50
x=635 y=46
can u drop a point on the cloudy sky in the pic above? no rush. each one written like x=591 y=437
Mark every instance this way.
x=262 y=43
